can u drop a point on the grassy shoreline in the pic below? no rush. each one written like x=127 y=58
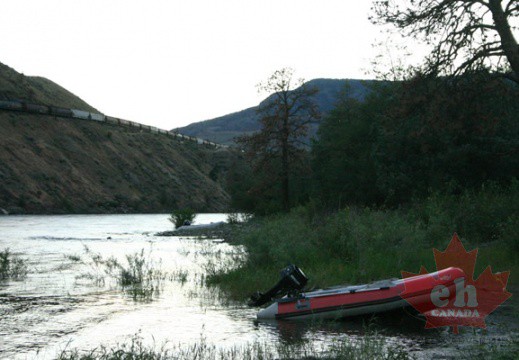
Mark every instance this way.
x=362 y=244
x=366 y=348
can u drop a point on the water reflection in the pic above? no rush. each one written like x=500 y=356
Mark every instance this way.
x=57 y=308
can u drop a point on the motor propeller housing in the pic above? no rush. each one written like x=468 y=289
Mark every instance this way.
x=292 y=281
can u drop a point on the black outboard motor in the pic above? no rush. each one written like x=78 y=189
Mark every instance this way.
x=292 y=281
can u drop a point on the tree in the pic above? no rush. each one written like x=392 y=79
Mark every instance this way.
x=445 y=135
x=465 y=35
x=284 y=119
x=408 y=139
x=342 y=156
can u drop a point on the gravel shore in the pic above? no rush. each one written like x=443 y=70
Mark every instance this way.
x=224 y=231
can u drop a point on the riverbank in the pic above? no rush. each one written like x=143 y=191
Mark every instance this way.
x=351 y=246
x=360 y=245
x=357 y=245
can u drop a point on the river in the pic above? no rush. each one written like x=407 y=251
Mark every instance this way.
x=68 y=302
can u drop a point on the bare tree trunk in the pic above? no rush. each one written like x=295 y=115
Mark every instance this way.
x=285 y=173
x=508 y=42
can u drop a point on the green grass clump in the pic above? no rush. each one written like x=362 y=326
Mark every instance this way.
x=11 y=266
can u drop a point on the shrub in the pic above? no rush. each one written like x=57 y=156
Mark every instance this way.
x=181 y=217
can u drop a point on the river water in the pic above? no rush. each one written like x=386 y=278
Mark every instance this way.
x=68 y=302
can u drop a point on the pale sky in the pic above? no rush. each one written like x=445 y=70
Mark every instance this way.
x=169 y=63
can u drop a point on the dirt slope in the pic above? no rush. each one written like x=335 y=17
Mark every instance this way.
x=56 y=165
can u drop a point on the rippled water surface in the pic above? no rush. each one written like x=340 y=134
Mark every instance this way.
x=63 y=303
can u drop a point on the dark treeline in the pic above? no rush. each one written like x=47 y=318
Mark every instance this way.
x=414 y=138
x=405 y=141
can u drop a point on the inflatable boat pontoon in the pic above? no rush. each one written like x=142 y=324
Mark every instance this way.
x=345 y=301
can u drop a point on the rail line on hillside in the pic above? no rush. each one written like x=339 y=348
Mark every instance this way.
x=30 y=108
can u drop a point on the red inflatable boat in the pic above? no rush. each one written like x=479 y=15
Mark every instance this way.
x=345 y=301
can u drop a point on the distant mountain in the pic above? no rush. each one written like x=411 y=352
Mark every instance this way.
x=58 y=165
x=225 y=128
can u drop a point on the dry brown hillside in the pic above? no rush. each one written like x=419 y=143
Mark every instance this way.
x=60 y=165
x=56 y=165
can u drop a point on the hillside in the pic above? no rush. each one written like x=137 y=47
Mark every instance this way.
x=35 y=89
x=225 y=128
x=60 y=165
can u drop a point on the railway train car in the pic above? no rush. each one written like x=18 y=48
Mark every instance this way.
x=62 y=112
x=134 y=124
x=112 y=120
x=80 y=114
x=97 y=117
x=11 y=105
x=23 y=106
x=36 y=109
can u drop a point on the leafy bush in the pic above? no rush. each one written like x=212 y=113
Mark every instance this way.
x=11 y=266
x=181 y=217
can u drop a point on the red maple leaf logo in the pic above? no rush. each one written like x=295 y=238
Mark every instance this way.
x=458 y=301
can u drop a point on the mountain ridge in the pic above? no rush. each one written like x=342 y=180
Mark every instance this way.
x=224 y=129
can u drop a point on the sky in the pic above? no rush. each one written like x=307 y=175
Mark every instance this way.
x=169 y=63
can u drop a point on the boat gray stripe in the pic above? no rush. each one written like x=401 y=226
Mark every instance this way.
x=339 y=307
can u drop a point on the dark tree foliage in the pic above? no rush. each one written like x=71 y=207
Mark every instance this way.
x=448 y=134
x=239 y=182
x=465 y=34
x=256 y=193
x=342 y=157
x=411 y=138
x=278 y=148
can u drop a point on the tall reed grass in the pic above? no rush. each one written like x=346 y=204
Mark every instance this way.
x=139 y=276
x=12 y=267
x=368 y=347
x=365 y=348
